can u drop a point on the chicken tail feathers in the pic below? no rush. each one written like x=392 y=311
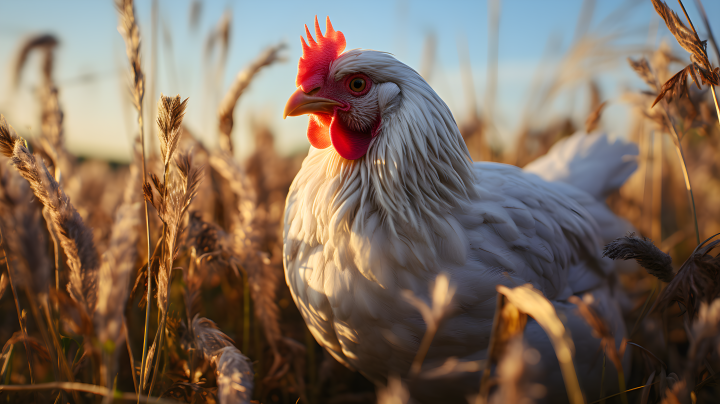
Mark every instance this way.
x=590 y=162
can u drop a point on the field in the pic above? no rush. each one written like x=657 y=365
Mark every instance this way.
x=86 y=319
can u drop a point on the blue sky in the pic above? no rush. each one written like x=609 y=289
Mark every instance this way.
x=100 y=120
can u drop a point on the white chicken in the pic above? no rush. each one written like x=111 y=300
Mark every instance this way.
x=388 y=198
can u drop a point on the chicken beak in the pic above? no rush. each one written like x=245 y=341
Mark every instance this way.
x=301 y=103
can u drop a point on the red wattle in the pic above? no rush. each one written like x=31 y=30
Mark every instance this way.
x=349 y=144
x=318 y=132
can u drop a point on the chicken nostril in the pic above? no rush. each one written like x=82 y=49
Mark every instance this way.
x=313 y=91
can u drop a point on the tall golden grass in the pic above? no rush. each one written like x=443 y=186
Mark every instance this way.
x=161 y=280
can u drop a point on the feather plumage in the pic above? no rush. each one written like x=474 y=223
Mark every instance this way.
x=359 y=232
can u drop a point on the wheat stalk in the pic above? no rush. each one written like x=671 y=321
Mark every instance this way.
x=25 y=238
x=75 y=239
x=131 y=34
x=239 y=199
x=172 y=204
x=238 y=87
x=20 y=223
x=114 y=275
x=23 y=328
x=642 y=68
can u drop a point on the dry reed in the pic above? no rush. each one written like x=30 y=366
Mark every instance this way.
x=24 y=236
x=238 y=87
x=511 y=369
x=131 y=35
x=532 y=302
x=234 y=376
x=239 y=200
x=642 y=250
x=442 y=293
x=697 y=280
x=75 y=239
x=114 y=275
x=3 y=284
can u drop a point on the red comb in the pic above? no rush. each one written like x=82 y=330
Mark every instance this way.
x=317 y=55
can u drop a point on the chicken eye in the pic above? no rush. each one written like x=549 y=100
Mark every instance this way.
x=357 y=85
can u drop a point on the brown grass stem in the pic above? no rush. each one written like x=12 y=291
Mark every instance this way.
x=441 y=293
x=43 y=332
x=149 y=254
x=644 y=307
x=23 y=324
x=55 y=339
x=621 y=386
x=225 y=110
x=656 y=203
x=698 y=54
x=705 y=381
x=153 y=82
x=61 y=359
x=623 y=392
x=86 y=388
x=703 y=15
x=189 y=277
x=19 y=315
x=158 y=350
x=56 y=250
x=485 y=379
x=688 y=186
x=683 y=166
x=246 y=314
x=130 y=355
x=170 y=115
x=712 y=87
x=531 y=301
x=129 y=30
x=75 y=237
x=687 y=16
x=422 y=351
x=717 y=108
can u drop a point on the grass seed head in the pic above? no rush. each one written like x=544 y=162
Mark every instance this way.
x=697 y=280
x=234 y=375
x=171 y=111
x=8 y=138
x=642 y=250
x=512 y=323
x=43 y=42
x=208 y=338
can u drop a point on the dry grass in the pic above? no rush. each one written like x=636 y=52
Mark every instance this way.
x=191 y=305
